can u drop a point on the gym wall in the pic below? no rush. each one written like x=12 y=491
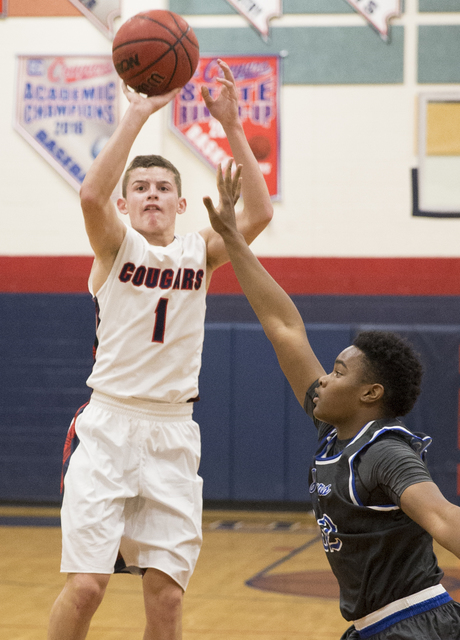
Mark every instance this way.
x=344 y=243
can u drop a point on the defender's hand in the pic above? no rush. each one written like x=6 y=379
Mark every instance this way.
x=222 y=218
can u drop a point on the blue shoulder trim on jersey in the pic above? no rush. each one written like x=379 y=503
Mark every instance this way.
x=322 y=457
x=418 y=443
x=325 y=444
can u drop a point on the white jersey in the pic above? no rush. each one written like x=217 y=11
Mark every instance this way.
x=150 y=324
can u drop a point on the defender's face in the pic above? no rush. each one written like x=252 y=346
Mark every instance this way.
x=152 y=203
x=339 y=392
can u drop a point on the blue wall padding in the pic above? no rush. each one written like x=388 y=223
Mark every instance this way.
x=259 y=418
x=256 y=439
x=213 y=412
x=257 y=442
x=348 y=309
x=45 y=354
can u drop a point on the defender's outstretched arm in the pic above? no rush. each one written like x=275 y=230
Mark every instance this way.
x=277 y=313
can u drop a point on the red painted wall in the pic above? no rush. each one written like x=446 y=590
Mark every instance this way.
x=323 y=276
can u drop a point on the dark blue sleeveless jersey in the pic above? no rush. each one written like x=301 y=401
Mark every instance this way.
x=377 y=553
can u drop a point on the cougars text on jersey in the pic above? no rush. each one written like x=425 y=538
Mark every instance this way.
x=150 y=277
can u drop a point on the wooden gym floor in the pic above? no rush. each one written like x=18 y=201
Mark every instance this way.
x=260 y=576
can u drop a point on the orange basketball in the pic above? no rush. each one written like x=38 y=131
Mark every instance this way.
x=155 y=51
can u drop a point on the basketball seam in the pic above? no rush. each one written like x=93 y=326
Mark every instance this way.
x=146 y=40
x=185 y=33
x=171 y=48
x=160 y=24
x=182 y=45
x=178 y=40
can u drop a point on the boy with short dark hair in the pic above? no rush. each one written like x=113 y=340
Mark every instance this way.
x=374 y=500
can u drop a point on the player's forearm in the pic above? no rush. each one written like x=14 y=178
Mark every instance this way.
x=273 y=307
x=446 y=533
x=256 y=197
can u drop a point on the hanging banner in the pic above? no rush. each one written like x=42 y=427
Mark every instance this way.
x=257 y=80
x=259 y=13
x=378 y=13
x=3 y=8
x=102 y=13
x=67 y=108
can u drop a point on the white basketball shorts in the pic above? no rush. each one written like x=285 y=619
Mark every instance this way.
x=132 y=484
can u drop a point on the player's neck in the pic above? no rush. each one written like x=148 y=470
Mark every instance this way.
x=158 y=239
x=349 y=429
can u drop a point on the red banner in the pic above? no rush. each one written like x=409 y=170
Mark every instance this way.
x=258 y=80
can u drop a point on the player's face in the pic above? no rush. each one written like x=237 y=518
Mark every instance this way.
x=339 y=392
x=152 y=203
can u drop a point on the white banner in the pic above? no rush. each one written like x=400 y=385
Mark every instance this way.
x=378 y=13
x=102 y=13
x=67 y=108
x=258 y=12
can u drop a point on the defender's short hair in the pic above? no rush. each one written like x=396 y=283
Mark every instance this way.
x=152 y=161
x=391 y=361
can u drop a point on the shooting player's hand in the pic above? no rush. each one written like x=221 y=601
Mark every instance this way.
x=225 y=107
x=148 y=104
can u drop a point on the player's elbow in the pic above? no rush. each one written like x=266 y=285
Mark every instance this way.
x=267 y=214
x=90 y=198
x=281 y=334
x=259 y=223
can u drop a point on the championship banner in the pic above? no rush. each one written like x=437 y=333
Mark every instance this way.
x=257 y=79
x=378 y=13
x=102 y=13
x=66 y=109
x=258 y=12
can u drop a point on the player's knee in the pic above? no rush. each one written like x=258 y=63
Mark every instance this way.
x=165 y=604
x=171 y=599
x=87 y=592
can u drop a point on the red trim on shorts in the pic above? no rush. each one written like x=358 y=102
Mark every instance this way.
x=69 y=445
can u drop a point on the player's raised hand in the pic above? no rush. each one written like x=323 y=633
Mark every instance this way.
x=225 y=107
x=148 y=104
x=222 y=218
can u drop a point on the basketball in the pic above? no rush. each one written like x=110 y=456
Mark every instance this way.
x=155 y=51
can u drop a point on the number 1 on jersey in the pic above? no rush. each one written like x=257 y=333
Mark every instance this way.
x=160 y=320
